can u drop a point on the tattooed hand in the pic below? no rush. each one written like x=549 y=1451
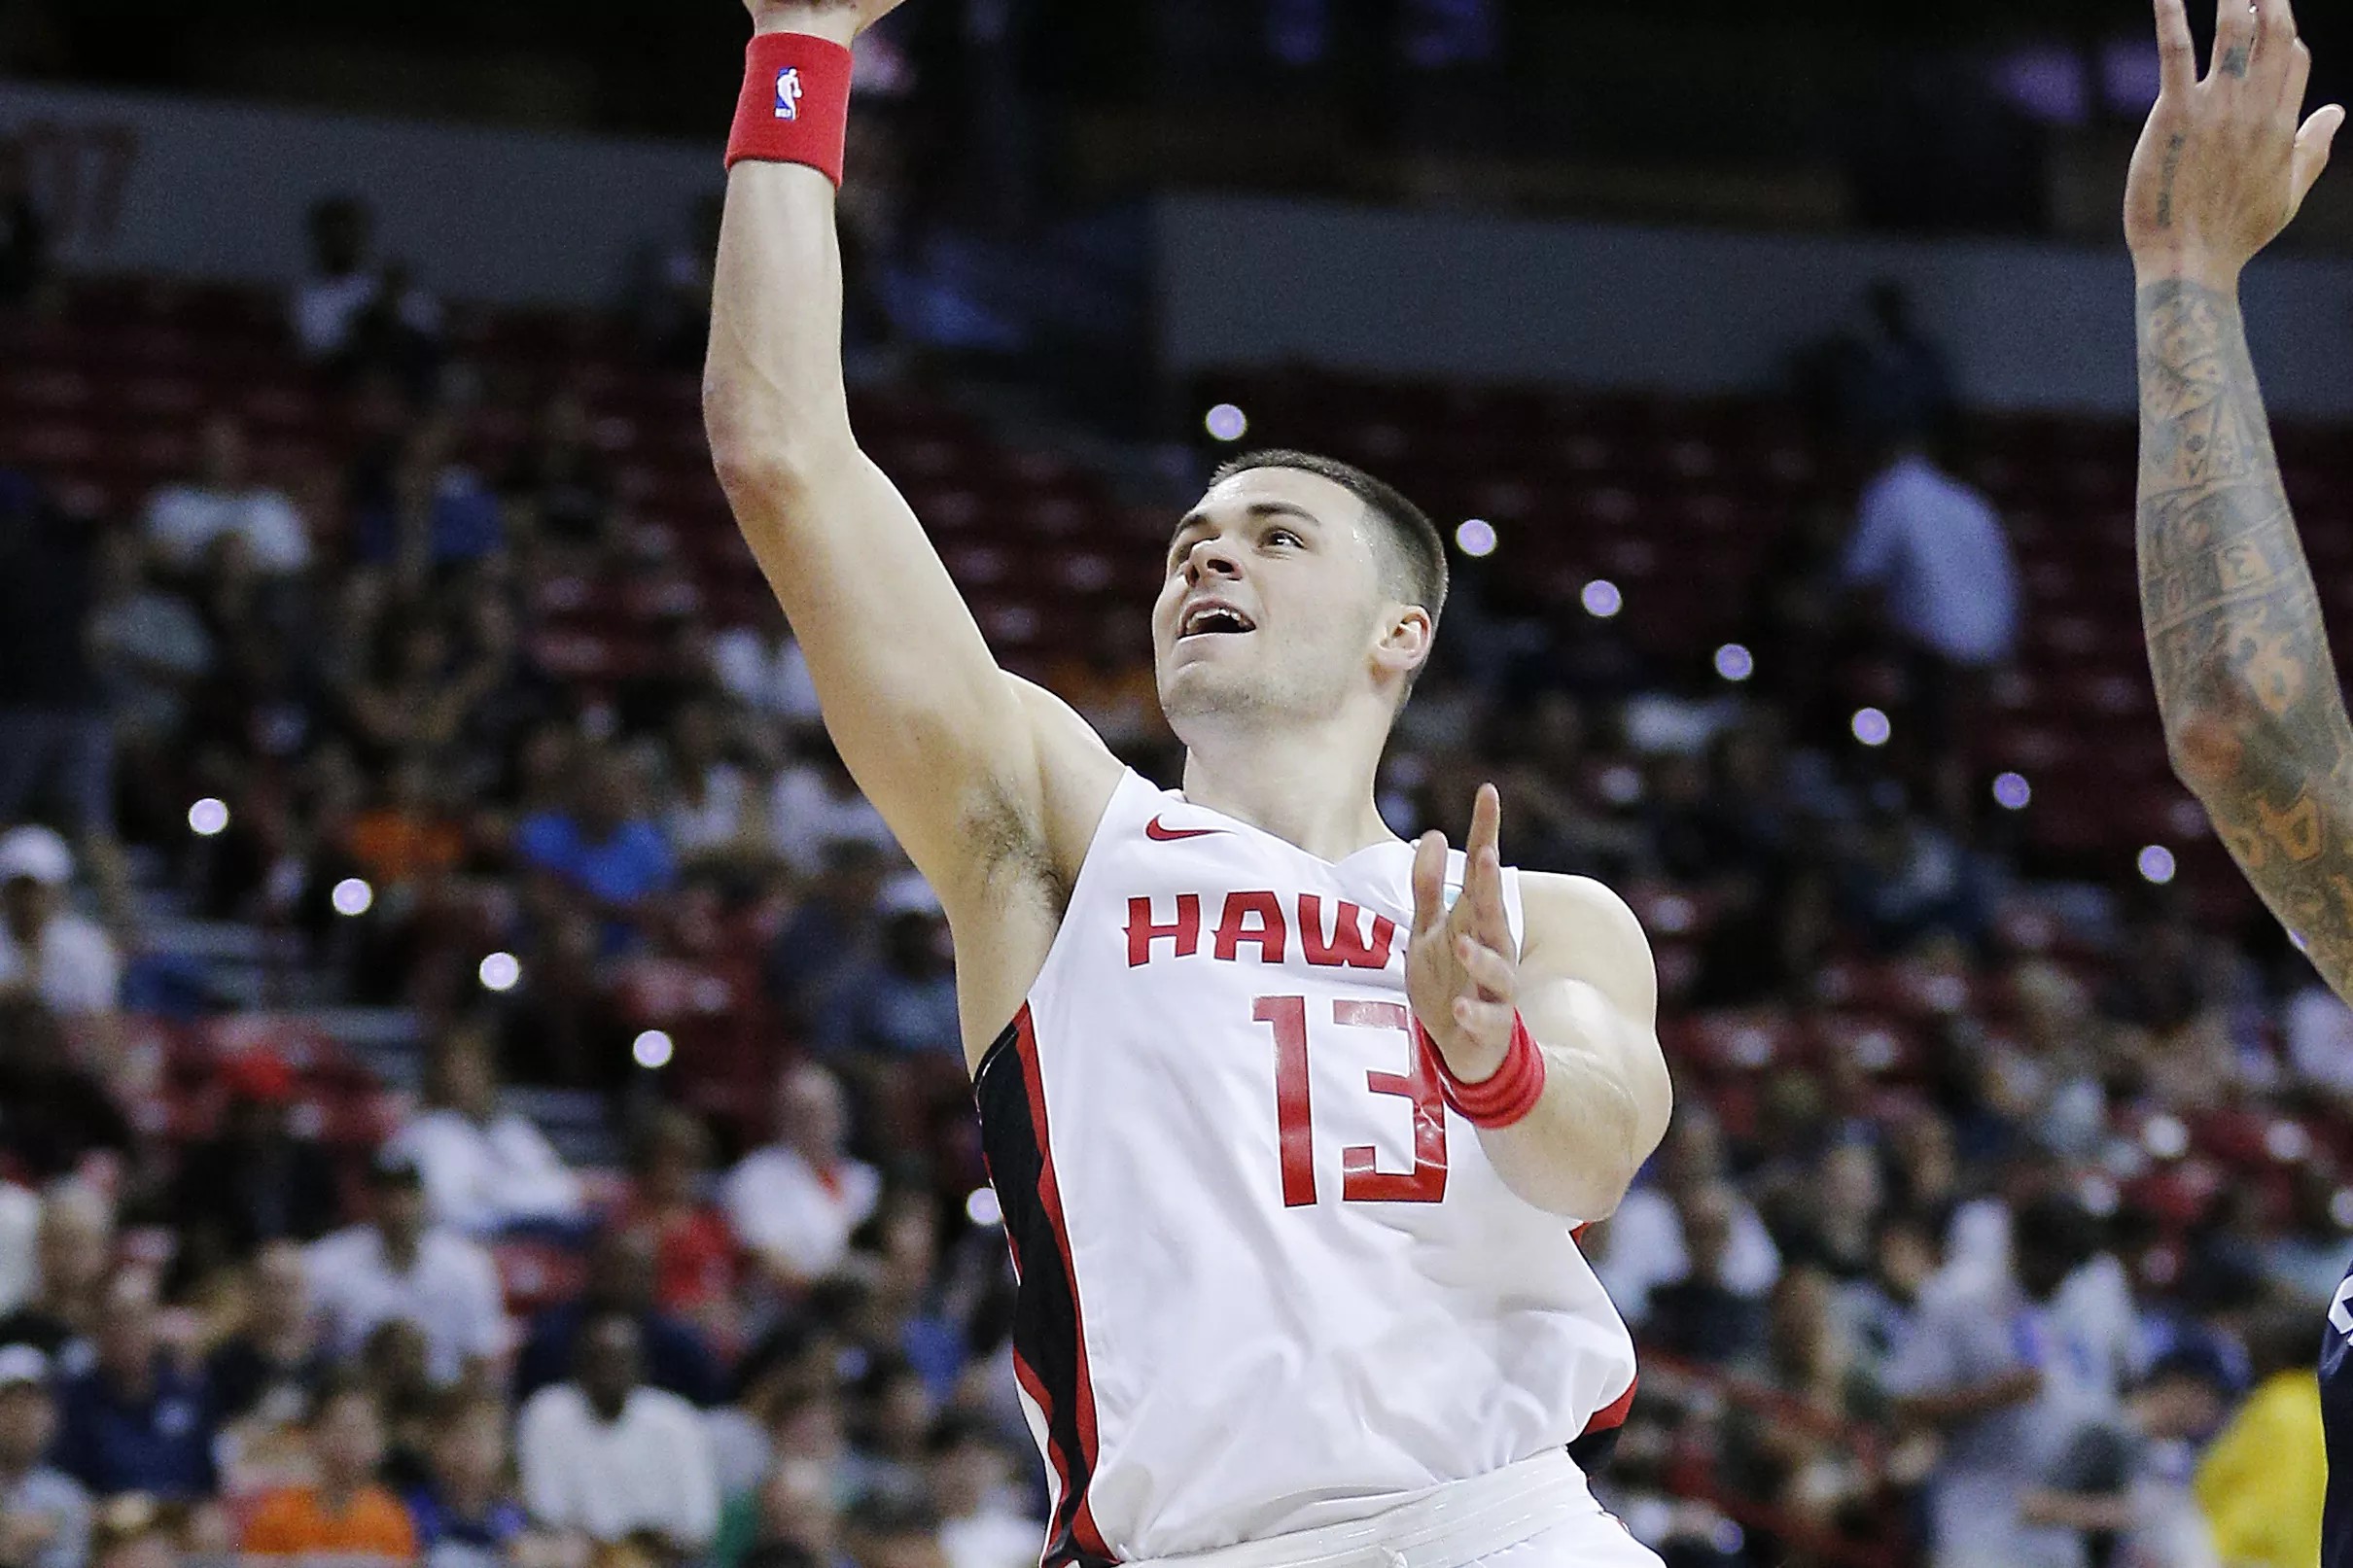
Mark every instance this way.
x=2222 y=166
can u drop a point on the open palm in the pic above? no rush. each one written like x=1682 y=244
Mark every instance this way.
x=839 y=20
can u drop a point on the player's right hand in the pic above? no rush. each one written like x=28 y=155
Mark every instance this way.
x=2222 y=164
x=838 y=20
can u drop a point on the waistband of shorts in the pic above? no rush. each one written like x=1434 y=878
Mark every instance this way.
x=1448 y=1528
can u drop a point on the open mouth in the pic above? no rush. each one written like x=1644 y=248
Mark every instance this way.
x=1214 y=620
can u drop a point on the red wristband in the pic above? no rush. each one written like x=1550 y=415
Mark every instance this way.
x=1505 y=1096
x=795 y=104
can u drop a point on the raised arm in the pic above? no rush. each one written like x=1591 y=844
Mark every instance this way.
x=943 y=741
x=2253 y=716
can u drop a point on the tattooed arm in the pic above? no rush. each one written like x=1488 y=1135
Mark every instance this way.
x=2253 y=716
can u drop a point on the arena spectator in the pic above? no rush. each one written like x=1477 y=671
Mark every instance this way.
x=621 y=1281
x=610 y=1458
x=276 y=1360
x=56 y=742
x=886 y=1532
x=19 y=1243
x=344 y=1512
x=711 y=817
x=794 y=1203
x=600 y=850
x=54 y=1114
x=767 y=673
x=427 y=511
x=830 y=936
x=466 y=1516
x=901 y=1005
x=45 y=948
x=985 y=1521
x=138 y=1420
x=414 y=701
x=1795 y=1452
x=151 y=646
x=558 y=487
x=400 y=1267
x=669 y=1200
x=484 y=1170
x=254 y=1181
x=1643 y=1245
x=396 y=1360
x=75 y=1249
x=2264 y=1481
x=354 y=316
x=44 y=1515
x=220 y=499
x=1701 y=1316
x=2123 y=1483
x=2008 y=1367
x=133 y=1531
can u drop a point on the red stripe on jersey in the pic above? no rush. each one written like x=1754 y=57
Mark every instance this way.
x=1613 y=1413
x=1049 y=1193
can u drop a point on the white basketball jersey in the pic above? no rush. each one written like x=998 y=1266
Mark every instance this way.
x=1266 y=1280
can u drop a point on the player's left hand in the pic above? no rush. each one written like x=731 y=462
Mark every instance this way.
x=1462 y=966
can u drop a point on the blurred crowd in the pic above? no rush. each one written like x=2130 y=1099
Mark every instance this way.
x=1964 y=1302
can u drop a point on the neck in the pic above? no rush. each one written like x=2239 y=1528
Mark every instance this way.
x=1285 y=780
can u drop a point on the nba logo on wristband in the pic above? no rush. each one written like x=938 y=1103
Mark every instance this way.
x=787 y=94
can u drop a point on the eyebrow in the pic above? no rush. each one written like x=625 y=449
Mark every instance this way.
x=1256 y=508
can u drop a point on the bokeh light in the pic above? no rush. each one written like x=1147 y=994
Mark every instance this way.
x=1476 y=538
x=352 y=896
x=207 y=816
x=1870 y=726
x=982 y=1208
x=501 y=971
x=2012 y=792
x=1735 y=663
x=1601 y=599
x=651 y=1050
x=1227 y=423
x=2156 y=864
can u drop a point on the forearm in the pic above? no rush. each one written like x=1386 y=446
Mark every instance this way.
x=1604 y=1108
x=2079 y=1511
x=2248 y=691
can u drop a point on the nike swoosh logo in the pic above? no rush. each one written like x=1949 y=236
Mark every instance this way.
x=1169 y=835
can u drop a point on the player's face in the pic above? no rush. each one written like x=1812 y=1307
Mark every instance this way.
x=1272 y=601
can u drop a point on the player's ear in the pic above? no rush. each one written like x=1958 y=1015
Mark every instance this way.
x=1404 y=646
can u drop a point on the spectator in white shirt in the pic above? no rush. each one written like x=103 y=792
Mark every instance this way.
x=398 y=1268
x=185 y=520
x=610 y=1458
x=794 y=1203
x=484 y=1171
x=1936 y=551
x=64 y=959
x=350 y=309
x=1642 y=1246
x=985 y=1518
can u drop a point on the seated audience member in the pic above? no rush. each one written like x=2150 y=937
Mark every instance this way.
x=600 y=850
x=1701 y=1316
x=466 y=1514
x=54 y=1114
x=397 y=1267
x=694 y=1256
x=888 y=1533
x=893 y=1421
x=276 y=1361
x=133 y=1531
x=185 y=520
x=398 y=1366
x=75 y=1248
x=1642 y=1245
x=136 y=1421
x=558 y=483
x=620 y=1280
x=254 y=1181
x=2265 y=1478
x=351 y=314
x=2127 y=1477
x=984 y=1520
x=48 y=952
x=345 y=1514
x=794 y=1203
x=430 y=512
x=484 y=1170
x=43 y=1512
x=608 y=1457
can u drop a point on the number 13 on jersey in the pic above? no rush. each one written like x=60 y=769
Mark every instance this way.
x=1360 y=1180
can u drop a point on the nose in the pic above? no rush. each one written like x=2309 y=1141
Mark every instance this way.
x=1211 y=557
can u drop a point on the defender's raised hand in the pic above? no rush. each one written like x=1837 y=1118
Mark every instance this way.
x=1462 y=966
x=841 y=20
x=2224 y=164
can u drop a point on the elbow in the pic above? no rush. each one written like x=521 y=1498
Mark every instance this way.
x=768 y=452
x=2204 y=747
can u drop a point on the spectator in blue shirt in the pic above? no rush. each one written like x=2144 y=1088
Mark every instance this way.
x=600 y=849
x=427 y=509
x=466 y=1516
x=137 y=1421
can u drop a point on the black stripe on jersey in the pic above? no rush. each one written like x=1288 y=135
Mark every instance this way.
x=1048 y=1351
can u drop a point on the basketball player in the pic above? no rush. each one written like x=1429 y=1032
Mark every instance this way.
x=2253 y=715
x=1291 y=1121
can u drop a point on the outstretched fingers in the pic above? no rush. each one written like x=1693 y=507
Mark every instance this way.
x=2312 y=144
x=2176 y=51
x=2234 y=38
x=1430 y=882
x=1482 y=869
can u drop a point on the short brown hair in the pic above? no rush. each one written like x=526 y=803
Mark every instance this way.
x=1414 y=566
